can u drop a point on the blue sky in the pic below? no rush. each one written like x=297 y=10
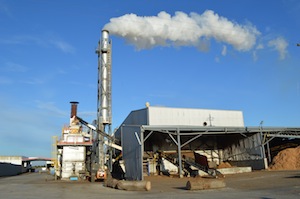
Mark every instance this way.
x=232 y=55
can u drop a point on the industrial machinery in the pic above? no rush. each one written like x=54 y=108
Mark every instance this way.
x=74 y=150
x=81 y=152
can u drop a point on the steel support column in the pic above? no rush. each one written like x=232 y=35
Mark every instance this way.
x=179 y=154
x=269 y=153
x=142 y=139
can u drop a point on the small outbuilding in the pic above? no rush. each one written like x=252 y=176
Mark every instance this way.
x=13 y=165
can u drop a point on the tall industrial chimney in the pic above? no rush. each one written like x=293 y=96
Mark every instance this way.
x=73 y=109
x=104 y=112
x=104 y=80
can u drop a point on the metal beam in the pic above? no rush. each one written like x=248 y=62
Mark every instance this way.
x=284 y=136
x=176 y=142
x=148 y=135
x=196 y=130
x=90 y=126
x=192 y=139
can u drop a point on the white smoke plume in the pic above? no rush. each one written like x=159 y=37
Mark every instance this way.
x=182 y=30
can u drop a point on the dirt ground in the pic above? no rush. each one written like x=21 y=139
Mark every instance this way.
x=258 y=184
x=256 y=180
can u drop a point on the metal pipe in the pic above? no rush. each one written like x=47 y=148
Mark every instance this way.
x=104 y=82
x=73 y=109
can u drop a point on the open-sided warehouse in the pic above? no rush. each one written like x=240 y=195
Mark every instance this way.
x=220 y=135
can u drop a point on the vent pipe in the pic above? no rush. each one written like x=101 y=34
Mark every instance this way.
x=73 y=109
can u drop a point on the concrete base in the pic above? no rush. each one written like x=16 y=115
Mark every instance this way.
x=205 y=183
x=235 y=170
x=258 y=164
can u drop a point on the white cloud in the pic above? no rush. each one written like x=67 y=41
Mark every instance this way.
x=279 y=44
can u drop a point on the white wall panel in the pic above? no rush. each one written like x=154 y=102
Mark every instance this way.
x=72 y=169
x=73 y=153
x=194 y=117
x=16 y=160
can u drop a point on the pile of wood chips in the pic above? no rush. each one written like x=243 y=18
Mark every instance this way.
x=223 y=165
x=287 y=159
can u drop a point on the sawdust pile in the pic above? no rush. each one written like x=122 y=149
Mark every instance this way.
x=224 y=165
x=287 y=159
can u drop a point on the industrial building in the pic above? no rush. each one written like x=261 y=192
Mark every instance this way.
x=218 y=135
x=15 y=165
x=72 y=152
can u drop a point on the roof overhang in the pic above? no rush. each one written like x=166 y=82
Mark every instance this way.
x=212 y=130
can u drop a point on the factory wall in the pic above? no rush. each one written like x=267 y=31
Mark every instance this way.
x=73 y=161
x=246 y=152
x=132 y=152
x=8 y=169
x=17 y=160
x=244 y=149
x=194 y=117
x=153 y=115
x=137 y=117
x=185 y=116
x=13 y=165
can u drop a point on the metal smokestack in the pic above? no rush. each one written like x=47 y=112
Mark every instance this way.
x=104 y=113
x=73 y=109
x=104 y=80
